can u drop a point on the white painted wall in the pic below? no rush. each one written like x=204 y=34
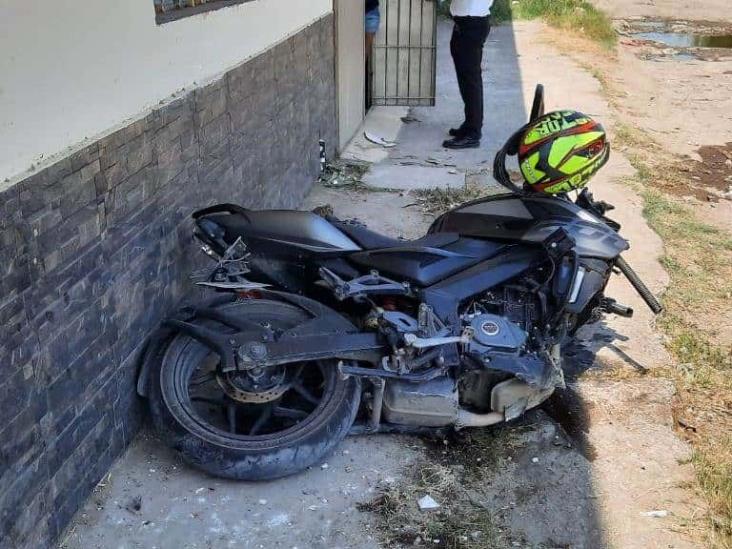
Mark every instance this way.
x=350 y=62
x=73 y=69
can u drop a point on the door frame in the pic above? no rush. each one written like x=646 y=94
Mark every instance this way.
x=350 y=71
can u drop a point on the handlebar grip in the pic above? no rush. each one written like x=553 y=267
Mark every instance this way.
x=637 y=283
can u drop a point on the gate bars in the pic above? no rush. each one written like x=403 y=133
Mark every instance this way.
x=404 y=55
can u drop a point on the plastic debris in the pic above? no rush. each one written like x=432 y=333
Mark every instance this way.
x=427 y=503
x=378 y=140
x=660 y=513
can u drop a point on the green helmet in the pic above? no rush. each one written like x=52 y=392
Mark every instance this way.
x=561 y=151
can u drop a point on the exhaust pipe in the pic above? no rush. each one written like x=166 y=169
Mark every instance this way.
x=470 y=419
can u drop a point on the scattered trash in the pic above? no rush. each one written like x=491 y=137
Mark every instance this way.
x=534 y=460
x=409 y=119
x=427 y=503
x=378 y=140
x=656 y=514
x=343 y=173
x=262 y=502
x=199 y=490
x=324 y=466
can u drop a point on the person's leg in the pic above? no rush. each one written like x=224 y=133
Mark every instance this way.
x=471 y=75
x=456 y=50
x=372 y=22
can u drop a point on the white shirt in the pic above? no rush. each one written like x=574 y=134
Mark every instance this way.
x=473 y=8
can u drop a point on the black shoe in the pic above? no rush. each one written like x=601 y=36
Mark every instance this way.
x=456 y=132
x=462 y=142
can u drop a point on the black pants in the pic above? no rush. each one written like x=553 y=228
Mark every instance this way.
x=466 y=47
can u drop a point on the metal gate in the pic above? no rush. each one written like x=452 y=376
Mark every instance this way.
x=404 y=56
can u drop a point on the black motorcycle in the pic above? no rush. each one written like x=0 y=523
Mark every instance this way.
x=318 y=327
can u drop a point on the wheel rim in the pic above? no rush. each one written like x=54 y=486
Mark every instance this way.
x=199 y=400
x=217 y=401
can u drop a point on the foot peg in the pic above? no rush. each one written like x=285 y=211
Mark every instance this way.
x=609 y=305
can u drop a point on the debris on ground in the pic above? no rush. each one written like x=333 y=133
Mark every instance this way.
x=341 y=173
x=378 y=140
x=324 y=210
x=427 y=503
x=409 y=119
x=661 y=513
x=454 y=522
x=436 y=201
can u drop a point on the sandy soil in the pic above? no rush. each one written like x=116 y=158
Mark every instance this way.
x=702 y=10
x=680 y=97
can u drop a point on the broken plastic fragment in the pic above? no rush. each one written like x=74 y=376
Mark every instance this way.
x=378 y=140
x=655 y=514
x=427 y=503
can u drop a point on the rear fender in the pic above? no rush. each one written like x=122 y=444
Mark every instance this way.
x=157 y=342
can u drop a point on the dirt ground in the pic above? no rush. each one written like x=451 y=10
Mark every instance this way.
x=700 y=10
x=679 y=96
x=598 y=466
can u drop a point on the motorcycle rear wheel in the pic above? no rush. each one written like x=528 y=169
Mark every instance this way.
x=321 y=410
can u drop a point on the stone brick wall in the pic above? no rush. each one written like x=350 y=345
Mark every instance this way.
x=96 y=249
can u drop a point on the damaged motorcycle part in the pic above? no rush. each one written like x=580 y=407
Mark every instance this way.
x=212 y=420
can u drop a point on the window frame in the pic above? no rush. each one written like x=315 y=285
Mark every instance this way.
x=163 y=17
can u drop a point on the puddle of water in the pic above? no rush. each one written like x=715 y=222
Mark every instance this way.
x=685 y=57
x=687 y=40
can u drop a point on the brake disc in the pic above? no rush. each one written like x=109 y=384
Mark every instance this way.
x=240 y=387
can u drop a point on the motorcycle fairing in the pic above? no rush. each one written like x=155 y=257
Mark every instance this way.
x=425 y=264
x=529 y=218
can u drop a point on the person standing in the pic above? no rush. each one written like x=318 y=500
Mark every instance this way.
x=372 y=18
x=472 y=25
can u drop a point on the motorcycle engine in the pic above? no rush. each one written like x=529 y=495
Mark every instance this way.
x=496 y=333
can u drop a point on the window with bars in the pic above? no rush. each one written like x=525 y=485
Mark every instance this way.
x=170 y=10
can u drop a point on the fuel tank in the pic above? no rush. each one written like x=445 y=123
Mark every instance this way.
x=526 y=218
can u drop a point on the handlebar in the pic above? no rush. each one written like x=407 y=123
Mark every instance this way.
x=637 y=283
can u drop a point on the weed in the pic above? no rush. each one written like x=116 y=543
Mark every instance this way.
x=574 y=15
x=437 y=200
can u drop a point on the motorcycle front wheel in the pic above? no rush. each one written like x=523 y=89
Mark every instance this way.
x=252 y=425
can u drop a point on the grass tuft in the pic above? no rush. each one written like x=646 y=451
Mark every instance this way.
x=438 y=200
x=574 y=15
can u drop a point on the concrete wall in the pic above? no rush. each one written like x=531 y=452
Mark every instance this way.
x=96 y=249
x=73 y=69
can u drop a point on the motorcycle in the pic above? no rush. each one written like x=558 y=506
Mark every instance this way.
x=318 y=328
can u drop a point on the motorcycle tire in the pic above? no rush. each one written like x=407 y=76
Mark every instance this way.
x=237 y=456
